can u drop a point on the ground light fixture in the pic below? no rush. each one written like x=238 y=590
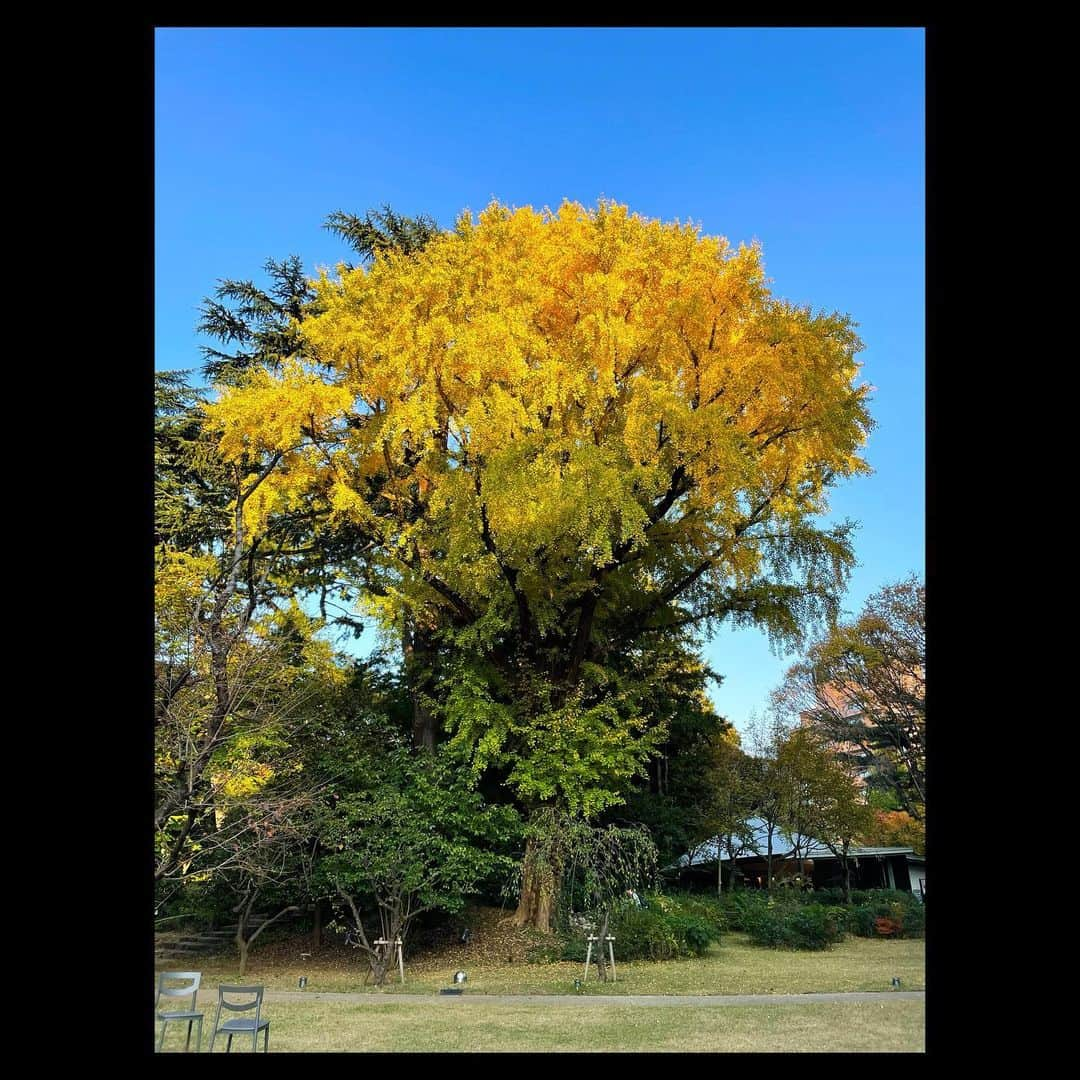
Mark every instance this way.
x=458 y=978
x=302 y=984
x=895 y=983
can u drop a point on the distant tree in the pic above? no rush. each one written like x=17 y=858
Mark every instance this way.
x=863 y=685
x=802 y=768
x=895 y=828
x=841 y=814
x=731 y=801
x=765 y=791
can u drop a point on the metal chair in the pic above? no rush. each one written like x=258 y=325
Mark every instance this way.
x=191 y=980
x=241 y=1026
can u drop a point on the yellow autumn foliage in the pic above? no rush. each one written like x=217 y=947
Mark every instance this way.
x=534 y=383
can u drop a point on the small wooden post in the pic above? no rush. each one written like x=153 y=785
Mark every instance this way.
x=394 y=946
x=588 y=955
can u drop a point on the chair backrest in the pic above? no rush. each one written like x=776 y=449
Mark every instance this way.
x=191 y=980
x=254 y=992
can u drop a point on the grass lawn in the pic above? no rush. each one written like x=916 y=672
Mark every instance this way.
x=732 y=967
x=446 y=1025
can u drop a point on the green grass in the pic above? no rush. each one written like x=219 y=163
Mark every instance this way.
x=447 y=1025
x=732 y=967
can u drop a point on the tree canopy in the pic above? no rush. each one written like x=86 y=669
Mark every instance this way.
x=541 y=418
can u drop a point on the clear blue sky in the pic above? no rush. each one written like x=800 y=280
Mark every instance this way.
x=809 y=140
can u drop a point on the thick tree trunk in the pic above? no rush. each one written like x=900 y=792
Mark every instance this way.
x=316 y=926
x=539 y=891
x=846 y=864
x=419 y=653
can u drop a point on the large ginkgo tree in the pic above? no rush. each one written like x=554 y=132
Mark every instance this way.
x=559 y=437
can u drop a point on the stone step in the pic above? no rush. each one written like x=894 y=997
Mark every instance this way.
x=204 y=941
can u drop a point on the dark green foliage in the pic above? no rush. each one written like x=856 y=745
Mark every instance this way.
x=674 y=798
x=915 y=920
x=191 y=492
x=813 y=926
x=382 y=230
x=698 y=905
x=882 y=896
x=697 y=934
x=792 y=926
x=828 y=897
x=738 y=906
x=860 y=921
x=814 y=919
x=902 y=910
x=668 y=928
x=646 y=934
x=261 y=324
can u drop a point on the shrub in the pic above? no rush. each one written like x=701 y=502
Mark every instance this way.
x=739 y=907
x=792 y=926
x=811 y=927
x=886 y=913
x=668 y=927
x=763 y=923
x=860 y=921
x=693 y=933
x=915 y=920
x=708 y=908
x=829 y=897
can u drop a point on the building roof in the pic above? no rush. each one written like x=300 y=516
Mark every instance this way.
x=783 y=845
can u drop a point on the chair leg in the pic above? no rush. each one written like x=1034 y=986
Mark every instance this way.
x=255 y=1041
x=213 y=1036
x=198 y=1035
x=266 y=1039
x=161 y=1037
x=187 y=1043
x=228 y=1045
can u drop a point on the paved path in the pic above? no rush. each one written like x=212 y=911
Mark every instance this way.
x=863 y=998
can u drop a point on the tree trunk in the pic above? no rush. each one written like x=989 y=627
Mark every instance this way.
x=539 y=888
x=316 y=926
x=844 y=862
x=419 y=653
x=768 y=880
x=243 y=913
x=602 y=962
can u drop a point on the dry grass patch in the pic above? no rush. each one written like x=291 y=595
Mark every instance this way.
x=446 y=1025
